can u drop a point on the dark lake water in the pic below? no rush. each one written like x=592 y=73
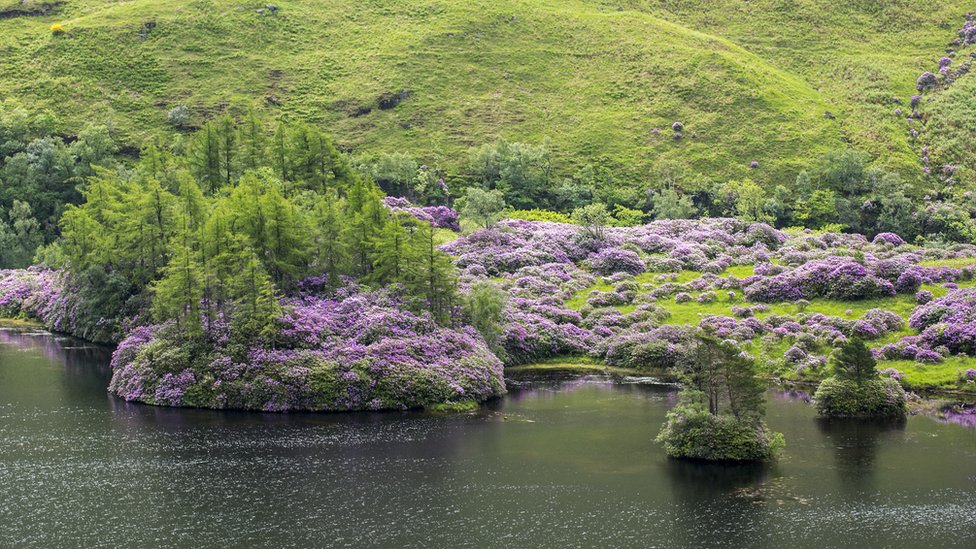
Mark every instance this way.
x=554 y=464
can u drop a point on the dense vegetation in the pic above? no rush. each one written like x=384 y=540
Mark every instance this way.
x=237 y=257
x=718 y=206
x=855 y=390
x=719 y=416
x=584 y=94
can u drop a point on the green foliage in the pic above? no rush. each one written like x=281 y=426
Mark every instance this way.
x=726 y=376
x=520 y=171
x=539 y=215
x=837 y=397
x=692 y=432
x=719 y=415
x=745 y=200
x=227 y=254
x=395 y=173
x=39 y=177
x=594 y=219
x=20 y=236
x=670 y=204
x=627 y=217
x=817 y=210
x=853 y=361
x=483 y=307
x=483 y=208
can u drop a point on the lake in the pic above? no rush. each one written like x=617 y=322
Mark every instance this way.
x=568 y=463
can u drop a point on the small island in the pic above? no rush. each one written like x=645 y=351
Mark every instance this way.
x=719 y=415
x=856 y=390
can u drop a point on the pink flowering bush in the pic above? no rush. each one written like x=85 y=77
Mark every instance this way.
x=888 y=238
x=361 y=352
x=615 y=260
x=440 y=217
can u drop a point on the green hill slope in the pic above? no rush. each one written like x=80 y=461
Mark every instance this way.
x=750 y=80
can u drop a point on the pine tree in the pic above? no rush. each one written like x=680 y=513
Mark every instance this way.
x=253 y=142
x=286 y=235
x=854 y=361
x=206 y=157
x=227 y=146
x=484 y=305
x=177 y=295
x=281 y=152
x=727 y=377
x=389 y=251
x=432 y=275
x=330 y=253
x=255 y=298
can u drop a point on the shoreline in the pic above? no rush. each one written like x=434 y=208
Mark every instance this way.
x=570 y=367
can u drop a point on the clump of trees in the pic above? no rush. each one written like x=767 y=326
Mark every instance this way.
x=720 y=410
x=213 y=235
x=855 y=390
x=40 y=173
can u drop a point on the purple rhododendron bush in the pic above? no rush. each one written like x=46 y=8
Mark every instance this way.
x=615 y=298
x=357 y=351
x=631 y=297
x=40 y=295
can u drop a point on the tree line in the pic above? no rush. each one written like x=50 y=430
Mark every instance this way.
x=212 y=231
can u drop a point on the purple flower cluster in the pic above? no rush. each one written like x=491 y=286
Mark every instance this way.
x=888 y=238
x=834 y=277
x=615 y=260
x=440 y=217
x=946 y=324
x=363 y=351
x=967 y=34
x=926 y=81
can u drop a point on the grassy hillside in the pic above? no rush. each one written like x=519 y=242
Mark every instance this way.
x=750 y=80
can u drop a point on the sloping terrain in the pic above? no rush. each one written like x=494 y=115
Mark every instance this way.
x=751 y=81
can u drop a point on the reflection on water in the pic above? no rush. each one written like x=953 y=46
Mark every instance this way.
x=855 y=443
x=965 y=416
x=555 y=463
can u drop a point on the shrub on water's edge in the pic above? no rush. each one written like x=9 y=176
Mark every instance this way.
x=691 y=432
x=872 y=398
x=363 y=352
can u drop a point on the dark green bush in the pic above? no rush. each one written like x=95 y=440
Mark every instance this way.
x=691 y=432
x=871 y=398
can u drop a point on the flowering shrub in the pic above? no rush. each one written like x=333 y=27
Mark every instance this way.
x=440 y=217
x=41 y=295
x=361 y=352
x=835 y=278
x=927 y=80
x=949 y=321
x=923 y=296
x=888 y=238
x=615 y=260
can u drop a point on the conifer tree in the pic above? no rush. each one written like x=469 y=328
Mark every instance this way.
x=330 y=253
x=252 y=141
x=178 y=293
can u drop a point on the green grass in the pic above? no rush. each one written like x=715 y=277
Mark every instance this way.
x=443 y=236
x=454 y=407
x=943 y=376
x=954 y=262
x=19 y=323
x=750 y=80
x=574 y=368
